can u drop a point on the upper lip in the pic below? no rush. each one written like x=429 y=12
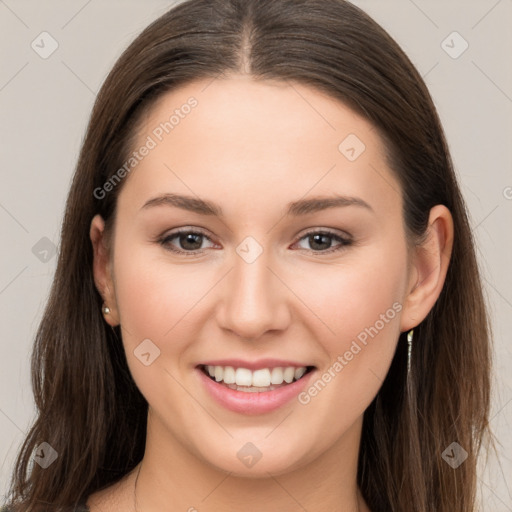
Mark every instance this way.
x=253 y=365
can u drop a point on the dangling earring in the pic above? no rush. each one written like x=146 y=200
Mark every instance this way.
x=105 y=309
x=409 y=349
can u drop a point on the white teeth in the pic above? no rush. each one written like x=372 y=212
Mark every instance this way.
x=243 y=376
x=276 y=377
x=261 y=378
x=252 y=380
x=229 y=375
x=299 y=372
x=288 y=374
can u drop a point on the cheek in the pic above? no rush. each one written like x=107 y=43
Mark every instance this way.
x=155 y=298
x=353 y=294
x=157 y=301
x=360 y=301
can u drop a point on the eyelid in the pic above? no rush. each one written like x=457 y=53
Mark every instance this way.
x=174 y=233
x=326 y=231
x=345 y=238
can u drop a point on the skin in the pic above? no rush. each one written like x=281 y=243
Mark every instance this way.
x=253 y=147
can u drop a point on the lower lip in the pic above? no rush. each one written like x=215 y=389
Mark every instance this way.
x=253 y=403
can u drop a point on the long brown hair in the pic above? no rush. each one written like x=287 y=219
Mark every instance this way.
x=88 y=406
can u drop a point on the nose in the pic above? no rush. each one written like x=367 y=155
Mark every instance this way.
x=253 y=300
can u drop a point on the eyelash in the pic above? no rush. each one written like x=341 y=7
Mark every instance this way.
x=165 y=241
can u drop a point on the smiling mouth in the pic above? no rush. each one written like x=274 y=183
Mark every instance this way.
x=258 y=381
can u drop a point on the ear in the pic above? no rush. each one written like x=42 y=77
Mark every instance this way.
x=102 y=269
x=430 y=263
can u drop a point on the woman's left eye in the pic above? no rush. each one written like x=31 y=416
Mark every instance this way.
x=321 y=239
x=190 y=242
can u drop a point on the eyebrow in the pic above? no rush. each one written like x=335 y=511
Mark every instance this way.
x=295 y=208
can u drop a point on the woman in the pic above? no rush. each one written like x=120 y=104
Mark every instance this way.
x=267 y=295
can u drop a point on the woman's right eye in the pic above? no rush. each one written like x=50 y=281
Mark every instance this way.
x=189 y=241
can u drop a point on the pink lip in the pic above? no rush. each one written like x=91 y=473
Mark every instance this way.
x=253 y=403
x=252 y=365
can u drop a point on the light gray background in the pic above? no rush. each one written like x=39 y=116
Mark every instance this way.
x=45 y=104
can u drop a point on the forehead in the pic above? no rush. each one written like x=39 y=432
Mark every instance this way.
x=266 y=141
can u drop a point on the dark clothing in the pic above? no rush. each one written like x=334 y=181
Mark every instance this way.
x=82 y=507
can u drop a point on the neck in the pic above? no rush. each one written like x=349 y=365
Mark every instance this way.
x=178 y=476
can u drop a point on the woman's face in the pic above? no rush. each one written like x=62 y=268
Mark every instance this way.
x=273 y=272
